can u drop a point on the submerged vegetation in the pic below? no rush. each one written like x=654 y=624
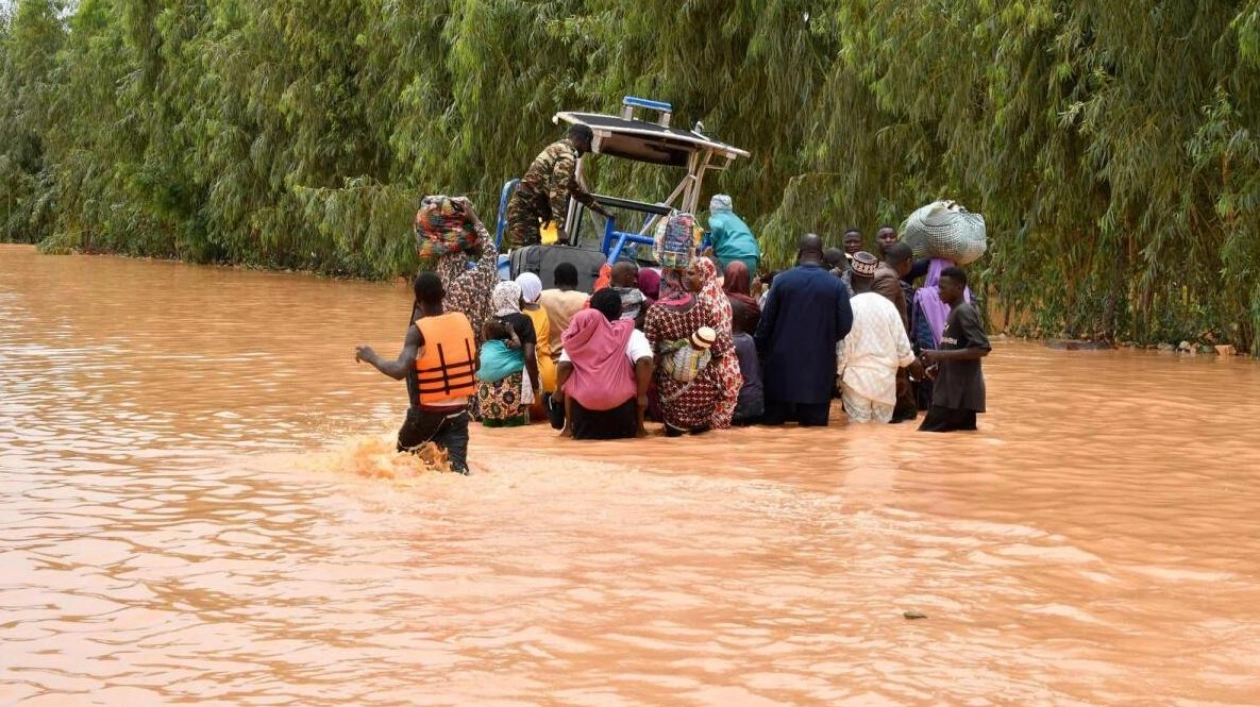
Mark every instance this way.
x=1112 y=146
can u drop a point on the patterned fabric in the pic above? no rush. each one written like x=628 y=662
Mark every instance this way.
x=685 y=406
x=682 y=361
x=675 y=240
x=875 y=348
x=506 y=299
x=729 y=380
x=501 y=404
x=544 y=192
x=442 y=225
x=468 y=290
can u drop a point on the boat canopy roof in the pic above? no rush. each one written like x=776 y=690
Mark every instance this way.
x=642 y=141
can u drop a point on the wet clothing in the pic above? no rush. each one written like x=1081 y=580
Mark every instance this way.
x=888 y=284
x=502 y=403
x=733 y=240
x=684 y=406
x=621 y=422
x=439 y=387
x=960 y=384
x=751 y=404
x=959 y=390
x=447 y=429
x=729 y=381
x=543 y=194
x=869 y=357
x=604 y=355
x=806 y=314
x=940 y=419
x=603 y=373
x=804 y=414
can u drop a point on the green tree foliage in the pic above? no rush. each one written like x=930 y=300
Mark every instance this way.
x=1111 y=146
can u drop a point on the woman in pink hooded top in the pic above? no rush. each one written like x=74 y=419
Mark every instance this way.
x=604 y=372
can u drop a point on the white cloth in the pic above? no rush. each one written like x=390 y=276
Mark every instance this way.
x=860 y=408
x=868 y=358
x=638 y=347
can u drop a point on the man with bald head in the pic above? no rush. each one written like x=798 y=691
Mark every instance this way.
x=806 y=313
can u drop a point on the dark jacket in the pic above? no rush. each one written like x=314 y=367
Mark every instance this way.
x=806 y=314
x=888 y=284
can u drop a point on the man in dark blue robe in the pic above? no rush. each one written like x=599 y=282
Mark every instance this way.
x=806 y=314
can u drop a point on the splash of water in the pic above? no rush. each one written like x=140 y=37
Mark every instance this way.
x=376 y=457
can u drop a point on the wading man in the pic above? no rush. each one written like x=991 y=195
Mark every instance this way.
x=438 y=361
x=806 y=313
x=544 y=191
x=959 y=391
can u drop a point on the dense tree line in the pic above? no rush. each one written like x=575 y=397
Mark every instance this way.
x=1112 y=146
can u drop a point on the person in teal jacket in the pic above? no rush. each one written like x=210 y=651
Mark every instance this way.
x=732 y=239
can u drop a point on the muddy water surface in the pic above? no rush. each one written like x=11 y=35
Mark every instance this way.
x=197 y=507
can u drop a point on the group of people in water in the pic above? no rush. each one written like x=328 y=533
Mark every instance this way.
x=696 y=346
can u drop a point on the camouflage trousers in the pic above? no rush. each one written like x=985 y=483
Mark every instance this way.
x=523 y=220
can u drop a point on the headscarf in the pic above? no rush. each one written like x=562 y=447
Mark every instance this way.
x=725 y=362
x=506 y=299
x=738 y=279
x=531 y=287
x=468 y=286
x=603 y=376
x=738 y=289
x=673 y=288
x=650 y=284
x=720 y=203
x=928 y=299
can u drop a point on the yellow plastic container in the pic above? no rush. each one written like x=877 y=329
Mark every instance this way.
x=550 y=234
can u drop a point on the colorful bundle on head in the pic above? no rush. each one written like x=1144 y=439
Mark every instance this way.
x=443 y=225
x=676 y=240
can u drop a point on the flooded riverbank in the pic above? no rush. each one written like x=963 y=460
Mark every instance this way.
x=188 y=514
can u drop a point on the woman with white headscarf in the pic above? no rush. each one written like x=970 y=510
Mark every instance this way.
x=531 y=293
x=505 y=403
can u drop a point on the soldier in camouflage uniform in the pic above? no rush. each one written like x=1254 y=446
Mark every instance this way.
x=544 y=192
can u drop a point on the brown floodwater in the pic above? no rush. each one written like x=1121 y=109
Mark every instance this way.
x=198 y=506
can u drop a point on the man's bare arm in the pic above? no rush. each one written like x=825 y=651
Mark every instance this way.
x=406 y=359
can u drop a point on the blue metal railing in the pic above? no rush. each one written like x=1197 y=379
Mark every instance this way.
x=646 y=103
x=615 y=241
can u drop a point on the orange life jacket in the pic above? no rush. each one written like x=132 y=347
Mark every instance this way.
x=446 y=365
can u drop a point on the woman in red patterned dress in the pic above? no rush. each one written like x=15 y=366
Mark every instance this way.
x=689 y=406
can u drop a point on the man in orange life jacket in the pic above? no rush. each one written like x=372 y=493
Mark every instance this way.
x=438 y=360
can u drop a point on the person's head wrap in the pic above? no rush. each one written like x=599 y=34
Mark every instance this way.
x=720 y=203
x=506 y=298
x=864 y=264
x=531 y=287
x=738 y=279
x=650 y=283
